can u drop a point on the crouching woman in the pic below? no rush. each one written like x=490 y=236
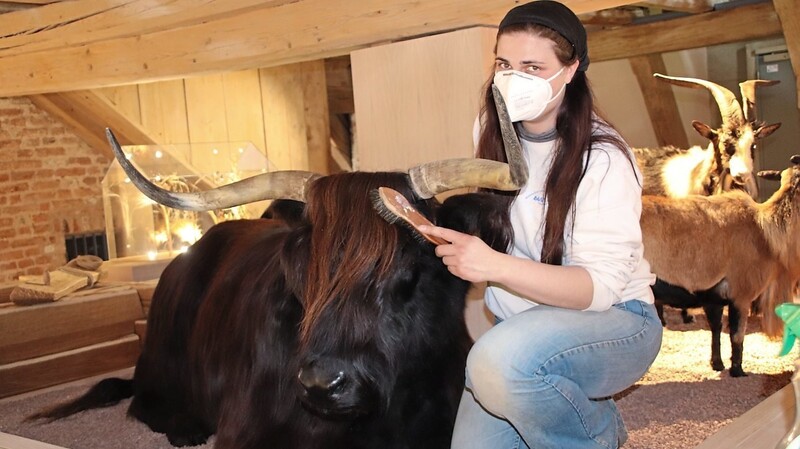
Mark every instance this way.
x=572 y=297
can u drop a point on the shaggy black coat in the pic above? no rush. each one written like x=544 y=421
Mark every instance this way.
x=231 y=326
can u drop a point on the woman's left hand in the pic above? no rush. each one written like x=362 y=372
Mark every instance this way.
x=466 y=256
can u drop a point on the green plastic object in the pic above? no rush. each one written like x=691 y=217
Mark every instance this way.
x=790 y=314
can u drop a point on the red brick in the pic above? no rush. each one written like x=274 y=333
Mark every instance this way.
x=49 y=182
x=10 y=112
x=50 y=152
x=8 y=266
x=79 y=161
x=70 y=171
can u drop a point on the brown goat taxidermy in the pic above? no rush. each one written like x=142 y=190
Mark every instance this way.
x=728 y=244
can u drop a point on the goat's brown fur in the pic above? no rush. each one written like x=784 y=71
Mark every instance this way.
x=727 y=242
x=677 y=172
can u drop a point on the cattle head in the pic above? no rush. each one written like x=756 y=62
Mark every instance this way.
x=734 y=141
x=375 y=298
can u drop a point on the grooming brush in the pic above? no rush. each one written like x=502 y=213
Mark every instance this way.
x=394 y=208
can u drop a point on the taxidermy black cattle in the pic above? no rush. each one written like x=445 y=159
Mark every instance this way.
x=341 y=330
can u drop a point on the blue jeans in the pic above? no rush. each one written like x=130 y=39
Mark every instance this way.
x=544 y=377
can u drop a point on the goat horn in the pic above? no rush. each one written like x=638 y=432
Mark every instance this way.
x=771 y=175
x=282 y=184
x=748 y=89
x=728 y=104
x=436 y=177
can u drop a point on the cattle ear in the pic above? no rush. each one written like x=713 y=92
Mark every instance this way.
x=288 y=211
x=481 y=214
x=294 y=262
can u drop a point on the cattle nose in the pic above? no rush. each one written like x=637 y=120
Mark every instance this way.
x=321 y=383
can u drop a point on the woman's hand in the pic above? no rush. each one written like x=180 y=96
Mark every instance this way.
x=469 y=258
x=466 y=256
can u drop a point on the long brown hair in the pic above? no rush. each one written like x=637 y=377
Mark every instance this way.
x=578 y=128
x=355 y=234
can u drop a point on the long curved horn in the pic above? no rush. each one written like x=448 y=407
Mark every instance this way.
x=273 y=185
x=748 y=89
x=729 y=106
x=436 y=177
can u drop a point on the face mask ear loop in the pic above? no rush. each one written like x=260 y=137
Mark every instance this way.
x=555 y=74
x=563 y=86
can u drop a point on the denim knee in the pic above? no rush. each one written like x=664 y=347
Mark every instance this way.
x=484 y=378
x=492 y=373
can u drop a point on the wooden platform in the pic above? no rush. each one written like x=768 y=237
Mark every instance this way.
x=760 y=427
x=8 y=441
x=83 y=334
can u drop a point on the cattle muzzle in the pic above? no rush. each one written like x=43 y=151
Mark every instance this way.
x=334 y=391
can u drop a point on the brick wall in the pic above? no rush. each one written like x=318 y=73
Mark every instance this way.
x=49 y=187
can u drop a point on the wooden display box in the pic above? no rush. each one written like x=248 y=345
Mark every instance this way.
x=136 y=268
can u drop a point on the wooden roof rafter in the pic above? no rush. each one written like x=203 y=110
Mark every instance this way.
x=688 y=6
x=98 y=43
x=789 y=15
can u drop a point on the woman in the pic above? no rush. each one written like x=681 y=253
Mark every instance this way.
x=576 y=321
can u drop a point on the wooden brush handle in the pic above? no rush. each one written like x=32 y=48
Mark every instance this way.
x=402 y=209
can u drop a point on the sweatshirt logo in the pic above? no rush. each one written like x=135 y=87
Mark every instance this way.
x=537 y=197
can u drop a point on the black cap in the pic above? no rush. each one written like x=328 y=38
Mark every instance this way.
x=555 y=16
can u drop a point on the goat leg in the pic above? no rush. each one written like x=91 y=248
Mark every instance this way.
x=714 y=316
x=737 y=326
x=660 y=311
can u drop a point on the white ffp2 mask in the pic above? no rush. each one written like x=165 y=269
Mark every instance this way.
x=526 y=96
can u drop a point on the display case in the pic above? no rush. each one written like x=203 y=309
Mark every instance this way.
x=139 y=228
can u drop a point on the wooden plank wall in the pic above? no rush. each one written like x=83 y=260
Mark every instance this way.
x=410 y=107
x=283 y=111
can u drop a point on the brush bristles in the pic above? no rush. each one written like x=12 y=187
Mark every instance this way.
x=392 y=217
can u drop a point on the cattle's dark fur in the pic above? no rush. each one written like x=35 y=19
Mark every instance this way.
x=288 y=211
x=253 y=303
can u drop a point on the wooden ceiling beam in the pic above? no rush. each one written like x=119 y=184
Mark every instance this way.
x=660 y=101
x=339 y=76
x=690 y=6
x=789 y=15
x=69 y=24
x=608 y=17
x=32 y=2
x=6 y=7
x=101 y=43
x=751 y=22
x=88 y=113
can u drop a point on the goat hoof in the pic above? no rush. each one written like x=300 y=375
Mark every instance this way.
x=718 y=366
x=737 y=371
